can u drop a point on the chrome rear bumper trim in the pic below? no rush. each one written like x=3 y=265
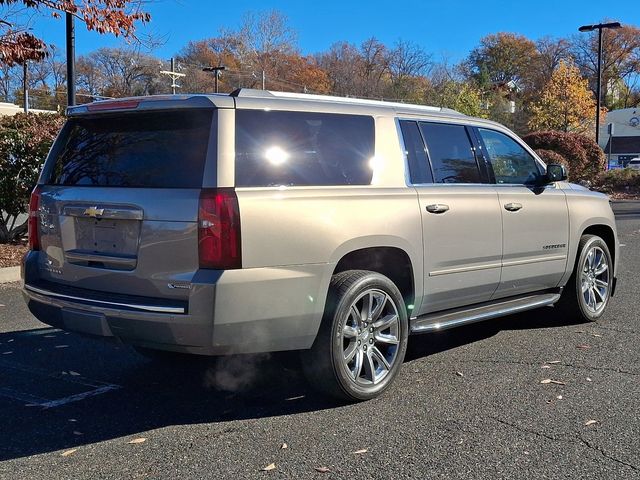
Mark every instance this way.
x=145 y=308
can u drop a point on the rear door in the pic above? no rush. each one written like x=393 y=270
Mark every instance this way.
x=461 y=219
x=535 y=218
x=119 y=201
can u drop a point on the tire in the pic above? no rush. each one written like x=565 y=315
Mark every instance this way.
x=362 y=340
x=593 y=272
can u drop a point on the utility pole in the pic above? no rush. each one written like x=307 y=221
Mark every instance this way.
x=25 y=91
x=71 y=60
x=216 y=71
x=599 y=27
x=173 y=75
x=264 y=80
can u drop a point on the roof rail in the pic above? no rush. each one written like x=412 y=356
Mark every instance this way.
x=249 y=92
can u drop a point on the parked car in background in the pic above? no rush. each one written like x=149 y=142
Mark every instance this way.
x=266 y=221
x=634 y=163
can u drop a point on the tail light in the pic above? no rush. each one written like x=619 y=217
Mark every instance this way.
x=219 y=229
x=34 y=234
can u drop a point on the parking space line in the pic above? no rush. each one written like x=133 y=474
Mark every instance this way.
x=97 y=387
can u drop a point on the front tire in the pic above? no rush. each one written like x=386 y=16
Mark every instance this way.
x=587 y=293
x=362 y=339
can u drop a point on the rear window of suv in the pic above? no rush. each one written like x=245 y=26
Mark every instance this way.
x=275 y=148
x=159 y=149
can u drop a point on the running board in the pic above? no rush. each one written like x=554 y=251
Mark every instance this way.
x=442 y=320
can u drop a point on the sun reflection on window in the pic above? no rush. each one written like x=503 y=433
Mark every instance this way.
x=276 y=155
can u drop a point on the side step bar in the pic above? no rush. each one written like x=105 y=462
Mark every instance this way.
x=442 y=320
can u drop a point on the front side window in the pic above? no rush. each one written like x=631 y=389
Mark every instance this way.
x=511 y=163
x=275 y=148
x=451 y=153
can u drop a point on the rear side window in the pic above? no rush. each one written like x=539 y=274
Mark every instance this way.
x=511 y=163
x=419 y=169
x=451 y=153
x=302 y=148
x=159 y=149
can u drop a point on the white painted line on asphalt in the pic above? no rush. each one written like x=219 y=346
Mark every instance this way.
x=35 y=333
x=97 y=387
x=79 y=396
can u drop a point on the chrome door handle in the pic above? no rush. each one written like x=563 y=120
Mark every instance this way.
x=437 y=208
x=513 y=207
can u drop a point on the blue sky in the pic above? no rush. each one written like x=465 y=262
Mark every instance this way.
x=446 y=28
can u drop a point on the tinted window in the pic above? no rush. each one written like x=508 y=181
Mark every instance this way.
x=510 y=161
x=451 y=153
x=161 y=149
x=302 y=148
x=419 y=169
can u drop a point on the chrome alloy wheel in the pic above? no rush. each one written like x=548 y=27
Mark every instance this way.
x=370 y=337
x=594 y=280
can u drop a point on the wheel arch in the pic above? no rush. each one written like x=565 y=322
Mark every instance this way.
x=392 y=262
x=607 y=234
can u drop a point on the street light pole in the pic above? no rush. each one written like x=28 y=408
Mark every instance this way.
x=216 y=71
x=71 y=60
x=599 y=27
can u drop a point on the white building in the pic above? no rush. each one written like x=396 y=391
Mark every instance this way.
x=12 y=109
x=625 y=141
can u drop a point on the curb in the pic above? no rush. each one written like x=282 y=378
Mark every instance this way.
x=9 y=274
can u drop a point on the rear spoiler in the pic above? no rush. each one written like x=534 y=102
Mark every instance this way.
x=154 y=102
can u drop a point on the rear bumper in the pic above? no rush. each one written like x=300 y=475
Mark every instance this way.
x=235 y=311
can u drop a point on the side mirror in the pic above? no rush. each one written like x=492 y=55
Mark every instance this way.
x=555 y=173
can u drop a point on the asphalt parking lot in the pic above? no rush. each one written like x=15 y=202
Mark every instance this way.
x=475 y=402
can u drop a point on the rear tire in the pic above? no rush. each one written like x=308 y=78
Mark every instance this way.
x=587 y=293
x=362 y=340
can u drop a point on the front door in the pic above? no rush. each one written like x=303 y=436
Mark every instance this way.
x=535 y=219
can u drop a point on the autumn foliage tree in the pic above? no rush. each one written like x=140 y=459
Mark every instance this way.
x=584 y=159
x=25 y=140
x=566 y=103
x=17 y=44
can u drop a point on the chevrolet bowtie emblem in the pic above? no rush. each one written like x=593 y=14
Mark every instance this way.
x=94 y=212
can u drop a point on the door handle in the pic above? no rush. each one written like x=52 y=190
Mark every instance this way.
x=513 y=207
x=437 y=208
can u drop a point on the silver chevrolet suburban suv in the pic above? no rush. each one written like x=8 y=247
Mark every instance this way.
x=264 y=221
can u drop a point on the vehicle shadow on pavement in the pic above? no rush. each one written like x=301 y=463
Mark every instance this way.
x=60 y=391
x=422 y=346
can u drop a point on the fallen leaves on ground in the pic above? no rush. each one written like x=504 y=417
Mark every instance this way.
x=322 y=469
x=269 y=467
x=11 y=255
x=137 y=440
x=590 y=422
x=68 y=452
x=547 y=381
x=284 y=445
